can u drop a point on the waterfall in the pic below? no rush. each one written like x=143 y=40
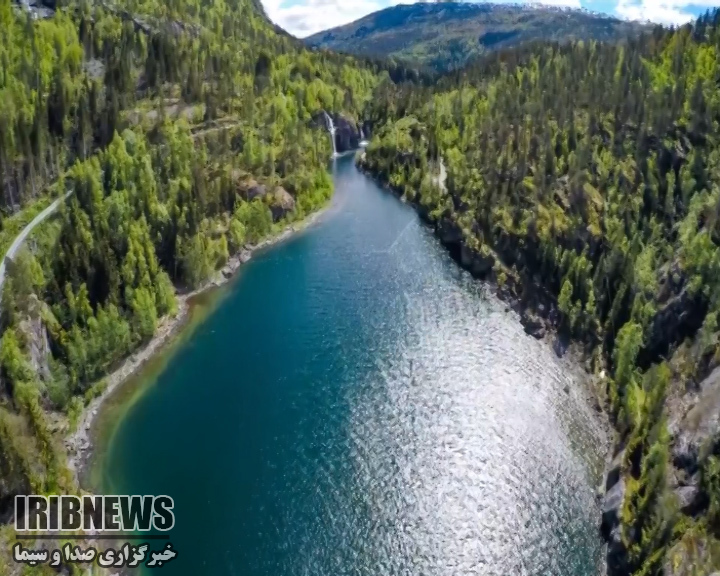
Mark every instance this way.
x=363 y=142
x=331 y=129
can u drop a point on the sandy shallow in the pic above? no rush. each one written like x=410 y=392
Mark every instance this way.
x=80 y=443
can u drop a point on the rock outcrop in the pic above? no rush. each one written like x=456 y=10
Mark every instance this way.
x=449 y=232
x=33 y=330
x=687 y=497
x=534 y=326
x=680 y=316
x=348 y=133
x=480 y=265
x=248 y=188
x=282 y=203
x=610 y=529
x=701 y=422
x=256 y=190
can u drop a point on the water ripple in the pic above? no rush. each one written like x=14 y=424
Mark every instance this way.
x=372 y=411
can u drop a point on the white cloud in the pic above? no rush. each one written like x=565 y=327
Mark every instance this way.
x=563 y=3
x=661 y=11
x=305 y=17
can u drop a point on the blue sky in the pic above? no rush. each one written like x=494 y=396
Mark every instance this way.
x=305 y=17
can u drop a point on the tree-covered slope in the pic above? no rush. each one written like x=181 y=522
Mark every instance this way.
x=446 y=35
x=184 y=131
x=585 y=180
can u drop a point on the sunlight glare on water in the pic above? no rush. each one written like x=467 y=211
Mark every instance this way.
x=360 y=405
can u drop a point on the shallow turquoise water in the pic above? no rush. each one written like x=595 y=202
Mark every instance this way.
x=358 y=405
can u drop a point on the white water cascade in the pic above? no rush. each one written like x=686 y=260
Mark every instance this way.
x=363 y=142
x=331 y=129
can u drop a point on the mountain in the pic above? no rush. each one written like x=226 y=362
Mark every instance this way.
x=446 y=35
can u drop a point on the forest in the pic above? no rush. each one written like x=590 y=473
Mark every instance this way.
x=182 y=132
x=584 y=180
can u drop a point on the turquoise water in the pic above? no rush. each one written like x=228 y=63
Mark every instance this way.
x=358 y=405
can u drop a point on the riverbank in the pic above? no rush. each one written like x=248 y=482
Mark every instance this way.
x=80 y=443
x=533 y=305
x=354 y=368
x=536 y=307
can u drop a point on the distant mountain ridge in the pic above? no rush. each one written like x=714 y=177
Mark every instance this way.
x=445 y=35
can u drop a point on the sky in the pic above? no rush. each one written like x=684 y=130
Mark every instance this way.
x=305 y=17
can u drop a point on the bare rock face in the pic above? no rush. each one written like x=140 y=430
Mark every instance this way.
x=283 y=203
x=614 y=472
x=35 y=333
x=449 y=232
x=479 y=265
x=610 y=529
x=698 y=425
x=250 y=189
x=348 y=134
x=687 y=497
x=679 y=317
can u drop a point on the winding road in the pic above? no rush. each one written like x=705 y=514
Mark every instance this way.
x=18 y=242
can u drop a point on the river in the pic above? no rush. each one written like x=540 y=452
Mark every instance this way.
x=358 y=405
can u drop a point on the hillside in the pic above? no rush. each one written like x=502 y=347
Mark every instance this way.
x=182 y=134
x=447 y=35
x=584 y=181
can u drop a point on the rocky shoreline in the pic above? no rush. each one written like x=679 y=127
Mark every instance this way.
x=693 y=411
x=538 y=313
x=80 y=444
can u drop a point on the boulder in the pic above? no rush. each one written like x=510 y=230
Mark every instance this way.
x=687 y=498
x=256 y=191
x=479 y=265
x=534 y=326
x=612 y=504
x=283 y=203
x=250 y=189
x=448 y=231
x=561 y=345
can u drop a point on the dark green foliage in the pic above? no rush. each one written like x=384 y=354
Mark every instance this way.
x=151 y=114
x=592 y=171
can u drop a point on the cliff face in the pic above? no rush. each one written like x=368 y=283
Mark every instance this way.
x=35 y=334
x=348 y=132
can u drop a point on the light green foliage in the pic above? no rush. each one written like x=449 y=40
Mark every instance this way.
x=628 y=344
x=593 y=168
x=255 y=218
x=144 y=316
x=147 y=126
